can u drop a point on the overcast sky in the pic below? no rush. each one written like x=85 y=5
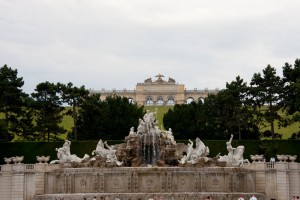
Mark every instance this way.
x=116 y=44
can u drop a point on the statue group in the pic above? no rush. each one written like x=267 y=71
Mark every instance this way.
x=149 y=146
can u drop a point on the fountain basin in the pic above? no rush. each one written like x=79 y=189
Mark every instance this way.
x=166 y=181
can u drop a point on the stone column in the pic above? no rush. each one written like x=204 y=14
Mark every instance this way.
x=17 y=182
x=282 y=180
x=6 y=185
x=294 y=178
x=260 y=181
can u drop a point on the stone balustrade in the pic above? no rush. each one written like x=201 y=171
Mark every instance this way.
x=278 y=180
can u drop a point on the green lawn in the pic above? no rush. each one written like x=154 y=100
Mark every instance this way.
x=161 y=110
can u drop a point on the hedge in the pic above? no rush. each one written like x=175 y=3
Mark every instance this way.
x=30 y=150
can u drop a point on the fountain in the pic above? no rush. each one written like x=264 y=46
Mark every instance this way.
x=150 y=163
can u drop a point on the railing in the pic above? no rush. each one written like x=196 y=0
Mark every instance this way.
x=112 y=91
x=270 y=165
x=29 y=167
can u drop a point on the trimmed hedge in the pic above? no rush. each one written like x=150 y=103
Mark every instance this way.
x=30 y=150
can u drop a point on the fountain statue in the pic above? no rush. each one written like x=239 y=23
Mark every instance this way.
x=150 y=146
x=148 y=163
x=64 y=154
x=235 y=155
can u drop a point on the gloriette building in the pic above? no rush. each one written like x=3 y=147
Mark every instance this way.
x=158 y=92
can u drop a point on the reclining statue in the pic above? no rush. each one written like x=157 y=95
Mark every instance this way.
x=109 y=152
x=64 y=155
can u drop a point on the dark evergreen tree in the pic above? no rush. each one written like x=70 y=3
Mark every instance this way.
x=122 y=116
x=48 y=110
x=182 y=119
x=90 y=124
x=266 y=91
x=25 y=127
x=74 y=97
x=11 y=96
x=291 y=95
x=108 y=119
x=237 y=112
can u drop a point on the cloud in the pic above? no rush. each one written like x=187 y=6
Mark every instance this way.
x=115 y=44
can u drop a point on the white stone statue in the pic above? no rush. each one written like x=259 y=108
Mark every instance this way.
x=235 y=155
x=149 y=119
x=132 y=133
x=64 y=155
x=170 y=137
x=230 y=149
x=141 y=127
x=109 y=152
x=194 y=155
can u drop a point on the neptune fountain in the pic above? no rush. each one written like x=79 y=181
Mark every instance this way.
x=150 y=163
x=150 y=146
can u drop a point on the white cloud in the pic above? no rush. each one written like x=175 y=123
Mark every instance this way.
x=115 y=44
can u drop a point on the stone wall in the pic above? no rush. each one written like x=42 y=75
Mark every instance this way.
x=21 y=181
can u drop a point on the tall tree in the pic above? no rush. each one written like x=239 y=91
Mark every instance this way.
x=90 y=124
x=108 y=119
x=10 y=96
x=48 y=106
x=291 y=95
x=238 y=112
x=266 y=91
x=74 y=97
x=25 y=127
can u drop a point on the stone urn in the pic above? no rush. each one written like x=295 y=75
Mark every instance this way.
x=7 y=160
x=42 y=159
x=285 y=158
x=19 y=159
x=292 y=158
x=280 y=157
x=260 y=158
x=253 y=157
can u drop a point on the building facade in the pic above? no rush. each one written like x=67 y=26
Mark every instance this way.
x=159 y=92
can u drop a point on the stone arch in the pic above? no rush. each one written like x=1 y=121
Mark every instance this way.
x=171 y=101
x=201 y=99
x=149 y=101
x=160 y=101
x=131 y=100
x=189 y=100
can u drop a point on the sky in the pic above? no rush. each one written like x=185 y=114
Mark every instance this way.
x=116 y=44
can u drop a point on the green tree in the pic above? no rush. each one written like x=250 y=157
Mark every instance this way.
x=122 y=116
x=48 y=110
x=10 y=97
x=183 y=121
x=25 y=127
x=291 y=95
x=108 y=119
x=90 y=124
x=266 y=90
x=73 y=96
x=237 y=113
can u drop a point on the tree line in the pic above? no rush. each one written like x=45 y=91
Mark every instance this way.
x=38 y=116
x=239 y=109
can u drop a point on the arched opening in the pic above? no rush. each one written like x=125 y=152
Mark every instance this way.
x=189 y=100
x=201 y=99
x=130 y=100
x=149 y=101
x=171 y=101
x=160 y=101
